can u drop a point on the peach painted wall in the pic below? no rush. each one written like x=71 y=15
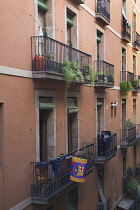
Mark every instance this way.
x=17 y=95
x=87 y=192
x=17 y=27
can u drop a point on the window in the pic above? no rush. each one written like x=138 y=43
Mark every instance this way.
x=113 y=111
x=100 y=46
x=123 y=113
x=134 y=27
x=100 y=115
x=123 y=59
x=45 y=18
x=134 y=64
x=42 y=9
x=71 y=28
x=46 y=125
x=134 y=111
x=72 y=117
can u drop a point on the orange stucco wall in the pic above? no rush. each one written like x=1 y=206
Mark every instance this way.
x=17 y=99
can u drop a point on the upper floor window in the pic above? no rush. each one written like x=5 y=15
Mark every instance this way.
x=100 y=45
x=71 y=28
x=123 y=59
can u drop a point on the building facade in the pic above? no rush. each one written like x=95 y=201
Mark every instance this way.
x=50 y=107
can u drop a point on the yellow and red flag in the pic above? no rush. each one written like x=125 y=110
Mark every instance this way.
x=78 y=169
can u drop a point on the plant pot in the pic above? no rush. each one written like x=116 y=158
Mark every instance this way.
x=39 y=62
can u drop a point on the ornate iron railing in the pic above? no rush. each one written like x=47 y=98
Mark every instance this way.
x=50 y=55
x=127 y=76
x=128 y=136
x=104 y=72
x=106 y=146
x=137 y=131
x=49 y=178
x=126 y=33
x=136 y=39
x=103 y=7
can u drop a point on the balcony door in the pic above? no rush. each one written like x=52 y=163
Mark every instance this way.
x=46 y=129
x=100 y=115
x=72 y=117
x=123 y=113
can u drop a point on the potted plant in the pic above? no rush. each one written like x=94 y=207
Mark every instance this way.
x=132 y=188
x=101 y=78
x=73 y=72
x=129 y=172
x=49 y=56
x=136 y=84
x=110 y=78
x=125 y=86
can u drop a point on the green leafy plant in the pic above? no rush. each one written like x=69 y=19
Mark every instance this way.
x=49 y=56
x=73 y=72
x=136 y=84
x=89 y=75
x=129 y=172
x=132 y=188
x=110 y=78
x=125 y=87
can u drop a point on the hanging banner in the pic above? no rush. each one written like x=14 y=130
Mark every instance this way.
x=78 y=169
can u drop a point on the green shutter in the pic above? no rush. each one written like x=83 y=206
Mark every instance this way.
x=72 y=105
x=46 y=103
x=98 y=39
x=69 y=22
x=42 y=6
x=99 y=103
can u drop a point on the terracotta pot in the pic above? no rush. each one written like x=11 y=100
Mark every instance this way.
x=39 y=62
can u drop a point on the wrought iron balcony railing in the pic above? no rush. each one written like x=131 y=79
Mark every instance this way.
x=136 y=84
x=128 y=136
x=126 y=30
x=49 y=179
x=103 y=8
x=106 y=147
x=49 y=55
x=136 y=41
x=126 y=34
x=137 y=131
x=127 y=77
x=104 y=73
x=131 y=77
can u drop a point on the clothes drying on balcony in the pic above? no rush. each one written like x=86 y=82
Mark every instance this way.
x=41 y=164
x=56 y=165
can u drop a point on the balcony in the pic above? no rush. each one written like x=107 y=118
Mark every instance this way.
x=137 y=132
x=49 y=57
x=126 y=34
x=136 y=41
x=136 y=84
x=134 y=81
x=126 y=29
x=106 y=147
x=104 y=74
x=102 y=13
x=128 y=137
x=48 y=181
